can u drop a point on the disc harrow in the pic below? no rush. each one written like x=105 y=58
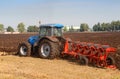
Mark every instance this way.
x=90 y=53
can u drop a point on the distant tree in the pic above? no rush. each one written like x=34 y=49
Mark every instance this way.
x=10 y=29
x=71 y=28
x=21 y=27
x=103 y=27
x=113 y=25
x=33 y=29
x=1 y=27
x=84 y=27
x=118 y=25
x=107 y=27
x=65 y=29
x=97 y=27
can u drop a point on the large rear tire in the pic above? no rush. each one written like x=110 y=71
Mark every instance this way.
x=48 y=49
x=24 y=49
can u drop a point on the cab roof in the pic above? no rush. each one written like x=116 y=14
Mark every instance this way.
x=52 y=25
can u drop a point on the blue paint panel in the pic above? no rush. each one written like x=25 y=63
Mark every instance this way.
x=33 y=39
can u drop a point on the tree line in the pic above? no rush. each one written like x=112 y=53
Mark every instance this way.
x=20 y=28
x=113 y=26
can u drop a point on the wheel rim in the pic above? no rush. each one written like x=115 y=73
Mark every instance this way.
x=45 y=50
x=23 y=50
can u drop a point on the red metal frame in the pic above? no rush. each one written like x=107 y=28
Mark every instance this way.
x=95 y=53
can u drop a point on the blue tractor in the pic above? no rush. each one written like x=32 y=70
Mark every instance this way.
x=47 y=44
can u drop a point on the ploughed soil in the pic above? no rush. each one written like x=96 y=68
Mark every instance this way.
x=14 y=67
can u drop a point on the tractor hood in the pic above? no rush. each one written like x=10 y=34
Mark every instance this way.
x=33 y=39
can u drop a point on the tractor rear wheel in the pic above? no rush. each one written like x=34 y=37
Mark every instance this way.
x=24 y=49
x=48 y=49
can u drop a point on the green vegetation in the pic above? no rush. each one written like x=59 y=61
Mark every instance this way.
x=113 y=26
x=1 y=27
x=84 y=27
x=21 y=27
x=10 y=29
x=65 y=29
x=71 y=29
x=33 y=29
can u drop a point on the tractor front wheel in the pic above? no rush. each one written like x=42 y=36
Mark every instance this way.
x=24 y=49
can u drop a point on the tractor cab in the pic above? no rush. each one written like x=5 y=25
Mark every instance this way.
x=46 y=30
x=50 y=30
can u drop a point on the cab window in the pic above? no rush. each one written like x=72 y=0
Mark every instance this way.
x=45 y=32
x=57 y=32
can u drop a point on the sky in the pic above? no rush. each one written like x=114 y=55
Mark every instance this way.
x=67 y=12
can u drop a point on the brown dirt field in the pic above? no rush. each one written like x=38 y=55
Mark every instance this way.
x=15 y=67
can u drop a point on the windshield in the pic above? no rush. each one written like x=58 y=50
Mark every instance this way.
x=45 y=31
x=57 y=32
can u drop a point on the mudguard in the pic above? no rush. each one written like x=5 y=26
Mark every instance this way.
x=51 y=38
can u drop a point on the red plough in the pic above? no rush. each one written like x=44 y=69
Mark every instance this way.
x=89 y=53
